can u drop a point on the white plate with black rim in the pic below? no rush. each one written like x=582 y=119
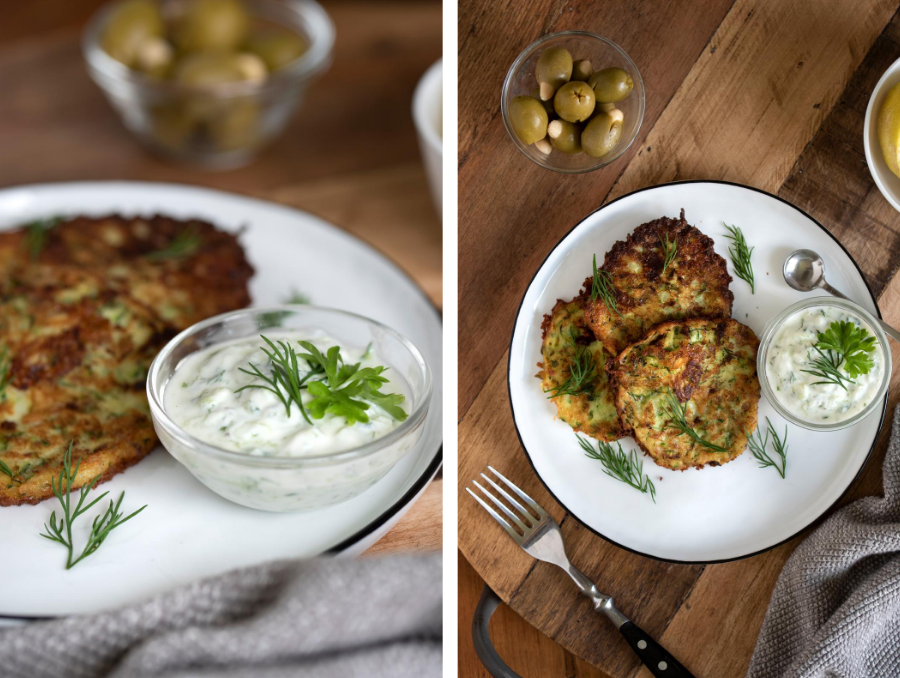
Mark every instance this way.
x=188 y=532
x=712 y=514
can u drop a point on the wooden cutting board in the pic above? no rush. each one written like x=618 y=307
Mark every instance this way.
x=769 y=93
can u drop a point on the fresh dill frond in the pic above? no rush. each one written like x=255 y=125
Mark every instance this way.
x=740 y=256
x=582 y=371
x=678 y=414
x=628 y=468
x=5 y=364
x=602 y=288
x=36 y=235
x=845 y=345
x=183 y=245
x=826 y=366
x=61 y=531
x=7 y=470
x=670 y=249
x=759 y=444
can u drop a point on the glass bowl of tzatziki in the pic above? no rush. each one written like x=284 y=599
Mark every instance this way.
x=289 y=408
x=824 y=363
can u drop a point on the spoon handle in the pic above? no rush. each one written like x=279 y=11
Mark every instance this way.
x=888 y=330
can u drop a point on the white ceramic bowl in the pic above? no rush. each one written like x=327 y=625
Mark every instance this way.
x=888 y=182
x=428 y=101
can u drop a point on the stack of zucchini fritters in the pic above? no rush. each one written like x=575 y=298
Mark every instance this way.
x=85 y=305
x=666 y=348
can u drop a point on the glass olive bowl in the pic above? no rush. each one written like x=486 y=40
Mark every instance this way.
x=771 y=331
x=602 y=53
x=281 y=482
x=235 y=120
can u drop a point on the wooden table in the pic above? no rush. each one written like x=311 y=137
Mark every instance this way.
x=769 y=93
x=359 y=168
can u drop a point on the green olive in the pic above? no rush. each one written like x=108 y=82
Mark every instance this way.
x=553 y=70
x=172 y=125
x=209 y=69
x=237 y=127
x=131 y=23
x=277 y=48
x=574 y=101
x=582 y=70
x=529 y=119
x=155 y=57
x=611 y=85
x=211 y=25
x=602 y=134
x=565 y=136
x=548 y=105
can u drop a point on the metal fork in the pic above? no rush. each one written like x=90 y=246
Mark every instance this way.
x=539 y=536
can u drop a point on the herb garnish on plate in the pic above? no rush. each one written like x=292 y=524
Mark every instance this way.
x=842 y=345
x=740 y=256
x=758 y=448
x=36 y=235
x=670 y=249
x=103 y=524
x=582 y=371
x=183 y=245
x=678 y=414
x=616 y=464
x=602 y=288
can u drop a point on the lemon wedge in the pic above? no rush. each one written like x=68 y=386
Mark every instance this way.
x=889 y=129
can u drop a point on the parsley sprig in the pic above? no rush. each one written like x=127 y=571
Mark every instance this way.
x=61 y=532
x=616 y=464
x=338 y=388
x=582 y=371
x=602 y=288
x=759 y=444
x=740 y=256
x=842 y=345
x=678 y=414
x=669 y=249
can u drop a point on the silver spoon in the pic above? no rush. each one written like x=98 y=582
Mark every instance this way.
x=804 y=270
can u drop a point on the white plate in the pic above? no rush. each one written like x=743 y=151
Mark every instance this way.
x=718 y=513
x=187 y=532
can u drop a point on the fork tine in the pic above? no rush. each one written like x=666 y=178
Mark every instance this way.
x=509 y=514
x=528 y=500
x=512 y=501
x=505 y=525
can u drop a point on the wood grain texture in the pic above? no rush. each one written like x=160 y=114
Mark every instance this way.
x=511 y=211
x=419 y=530
x=709 y=617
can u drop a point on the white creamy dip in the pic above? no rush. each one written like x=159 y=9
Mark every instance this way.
x=201 y=397
x=790 y=353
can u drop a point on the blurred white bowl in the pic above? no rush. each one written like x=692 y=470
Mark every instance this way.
x=427 y=103
x=888 y=182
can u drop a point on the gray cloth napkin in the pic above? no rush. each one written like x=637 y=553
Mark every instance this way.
x=329 y=618
x=835 y=611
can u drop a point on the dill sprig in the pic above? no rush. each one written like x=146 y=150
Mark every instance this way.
x=36 y=235
x=103 y=524
x=602 y=288
x=7 y=470
x=582 y=371
x=5 y=364
x=183 y=245
x=759 y=444
x=616 y=464
x=826 y=366
x=670 y=249
x=678 y=414
x=740 y=256
x=845 y=345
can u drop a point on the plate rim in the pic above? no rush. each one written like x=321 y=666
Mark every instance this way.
x=437 y=458
x=813 y=522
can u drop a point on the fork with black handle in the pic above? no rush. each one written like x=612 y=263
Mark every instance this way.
x=538 y=534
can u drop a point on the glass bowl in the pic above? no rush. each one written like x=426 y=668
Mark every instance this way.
x=283 y=483
x=768 y=336
x=602 y=53
x=220 y=127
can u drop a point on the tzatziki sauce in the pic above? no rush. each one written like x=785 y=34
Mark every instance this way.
x=202 y=397
x=791 y=352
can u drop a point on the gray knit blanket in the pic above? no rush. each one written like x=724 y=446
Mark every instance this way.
x=835 y=611
x=328 y=618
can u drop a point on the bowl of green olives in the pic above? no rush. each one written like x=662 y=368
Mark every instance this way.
x=207 y=82
x=573 y=101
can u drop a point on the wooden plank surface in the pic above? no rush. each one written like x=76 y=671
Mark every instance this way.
x=355 y=166
x=775 y=100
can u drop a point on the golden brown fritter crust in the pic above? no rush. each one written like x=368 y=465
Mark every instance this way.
x=695 y=284
x=592 y=412
x=80 y=323
x=710 y=367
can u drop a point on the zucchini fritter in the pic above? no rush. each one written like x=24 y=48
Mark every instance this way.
x=85 y=306
x=589 y=407
x=695 y=283
x=709 y=366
